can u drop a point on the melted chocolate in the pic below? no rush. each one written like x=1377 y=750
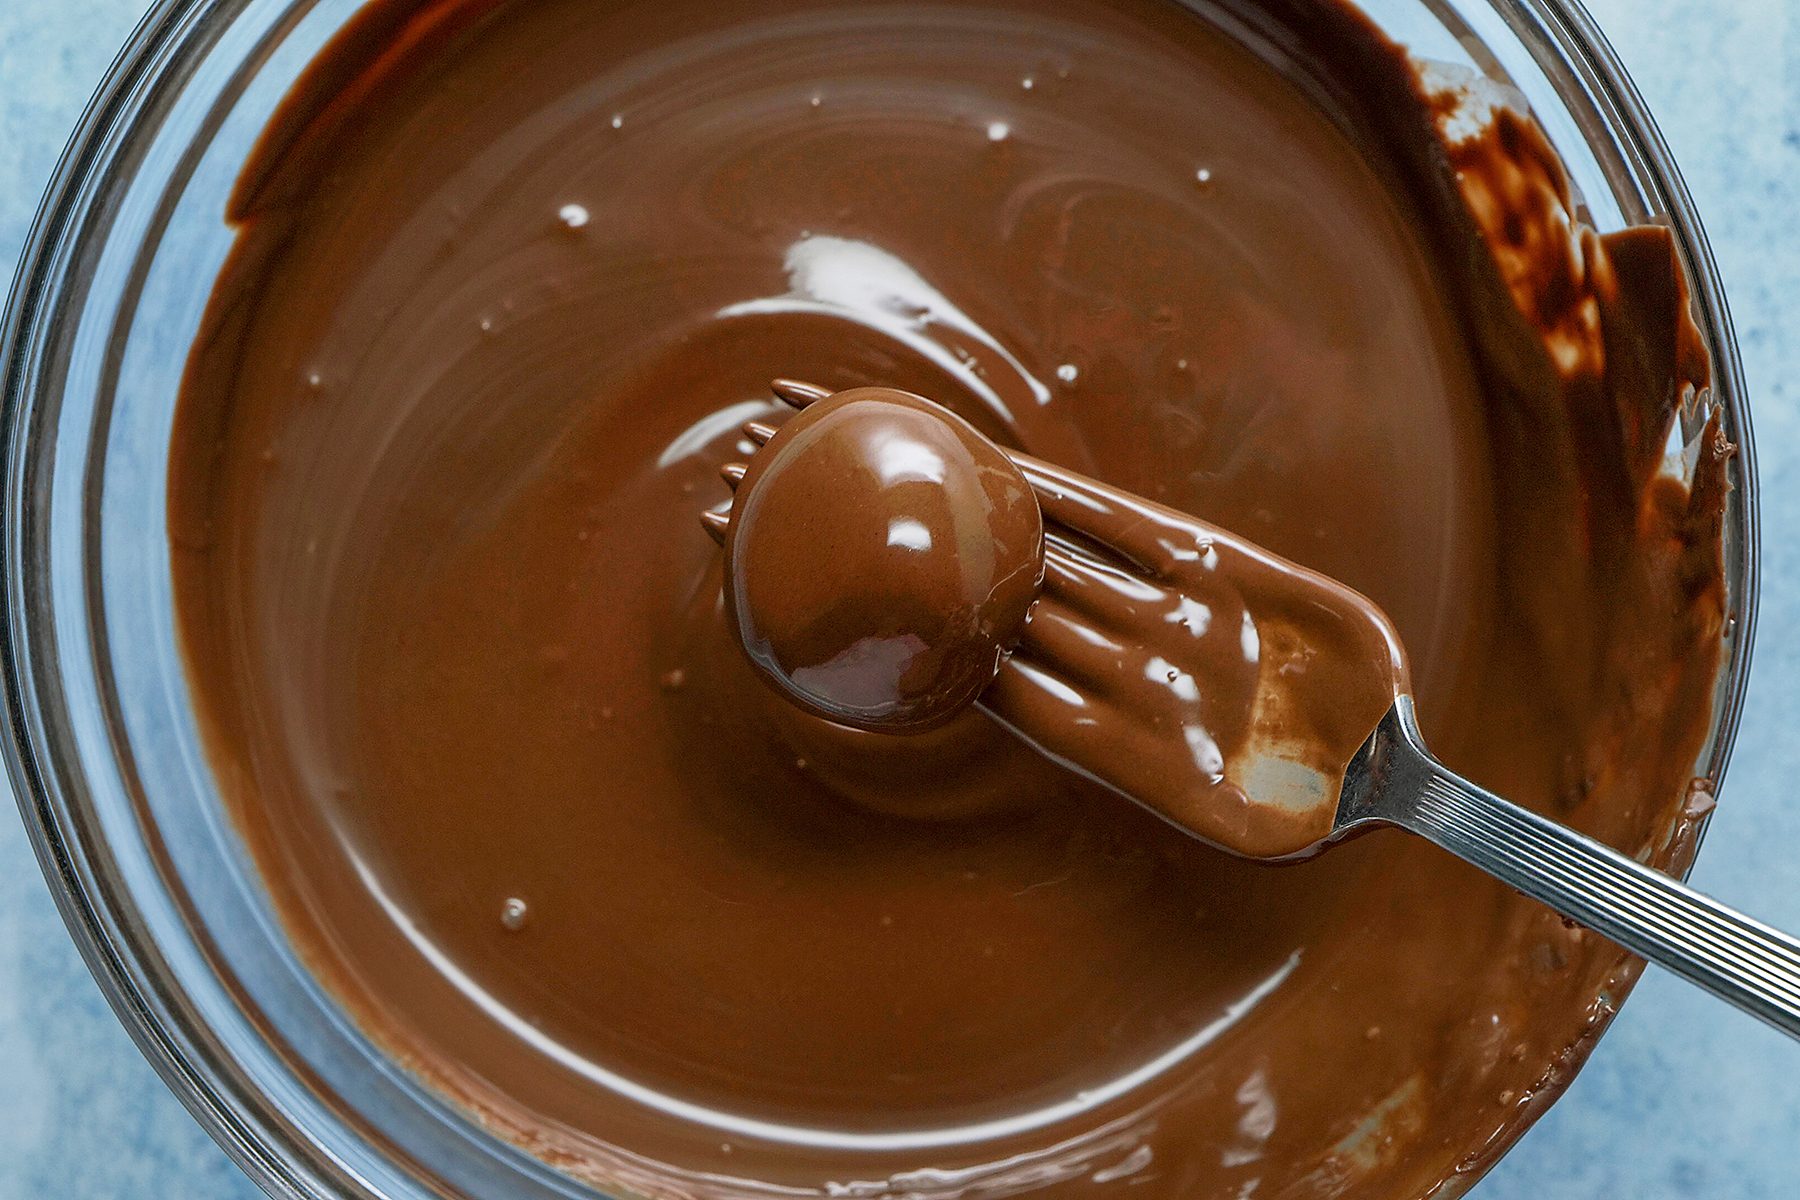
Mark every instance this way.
x=510 y=278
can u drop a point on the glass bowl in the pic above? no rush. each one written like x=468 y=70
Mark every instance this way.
x=150 y=875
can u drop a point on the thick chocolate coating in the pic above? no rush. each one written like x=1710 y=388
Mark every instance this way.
x=880 y=561
x=512 y=275
x=1218 y=684
x=1223 y=686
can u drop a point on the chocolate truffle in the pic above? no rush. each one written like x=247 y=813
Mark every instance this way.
x=881 y=560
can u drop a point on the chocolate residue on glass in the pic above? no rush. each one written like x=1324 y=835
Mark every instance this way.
x=511 y=277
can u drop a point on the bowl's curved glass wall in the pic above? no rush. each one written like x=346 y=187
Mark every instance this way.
x=152 y=878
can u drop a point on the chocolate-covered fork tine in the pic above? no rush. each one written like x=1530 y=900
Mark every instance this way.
x=717 y=520
x=1054 y=683
x=797 y=393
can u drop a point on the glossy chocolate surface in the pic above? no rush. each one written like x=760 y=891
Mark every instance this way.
x=880 y=561
x=512 y=276
x=1221 y=686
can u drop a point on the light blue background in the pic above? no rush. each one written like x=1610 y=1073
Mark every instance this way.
x=1684 y=1098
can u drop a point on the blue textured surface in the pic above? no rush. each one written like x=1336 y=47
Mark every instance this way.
x=1682 y=1099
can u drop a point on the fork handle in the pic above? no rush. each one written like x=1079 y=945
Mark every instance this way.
x=1731 y=955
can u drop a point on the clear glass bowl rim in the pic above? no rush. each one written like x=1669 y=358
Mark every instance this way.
x=250 y=1126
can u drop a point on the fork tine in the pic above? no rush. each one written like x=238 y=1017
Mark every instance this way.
x=797 y=393
x=1155 y=538
x=715 y=523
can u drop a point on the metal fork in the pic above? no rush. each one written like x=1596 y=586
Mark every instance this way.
x=1394 y=780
